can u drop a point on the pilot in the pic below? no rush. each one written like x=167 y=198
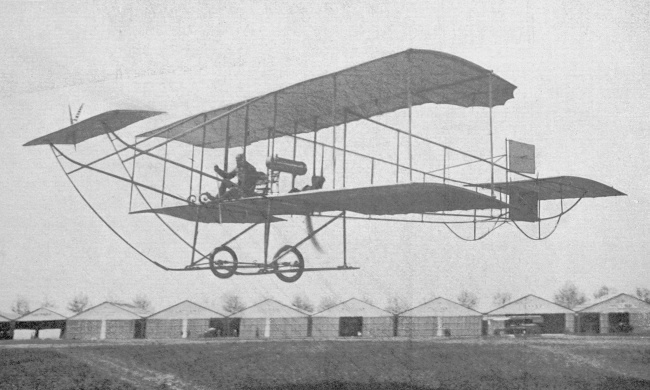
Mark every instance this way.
x=247 y=177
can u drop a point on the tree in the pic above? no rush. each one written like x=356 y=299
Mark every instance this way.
x=602 y=291
x=48 y=303
x=20 y=306
x=396 y=305
x=569 y=296
x=233 y=303
x=302 y=303
x=468 y=299
x=367 y=299
x=142 y=303
x=501 y=298
x=78 y=303
x=327 y=302
x=643 y=294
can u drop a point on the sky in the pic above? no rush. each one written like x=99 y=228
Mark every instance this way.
x=583 y=87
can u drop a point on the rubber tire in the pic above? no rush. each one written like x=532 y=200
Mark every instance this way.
x=301 y=264
x=218 y=270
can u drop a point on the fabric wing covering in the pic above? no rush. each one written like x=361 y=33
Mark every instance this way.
x=561 y=187
x=392 y=199
x=231 y=212
x=373 y=88
x=109 y=121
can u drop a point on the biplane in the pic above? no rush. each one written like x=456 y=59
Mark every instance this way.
x=315 y=117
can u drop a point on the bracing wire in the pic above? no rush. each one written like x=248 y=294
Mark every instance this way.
x=149 y=204
x=54 y=151
x=557 y=222
x=495 y=227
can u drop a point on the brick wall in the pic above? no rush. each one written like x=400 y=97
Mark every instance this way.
x=120 y=329
x=252 y=328
x=462 y=326
x=640 y=322
x=289 y=327
x=164 y=329
x=325 y=327
x=83 y=329
x=417 y=326
x=378 y=327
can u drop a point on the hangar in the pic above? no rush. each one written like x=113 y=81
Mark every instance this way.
x=622 y=313
x=182 y=320
x=531 y=314
x=353 y=318
x=269 y=319
x=6 y=326
x=439 y=317
x=105 y=321
x=41 y=323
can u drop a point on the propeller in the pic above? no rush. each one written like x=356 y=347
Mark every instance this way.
x=76 y=117
x=310 y=231
x=316 y=184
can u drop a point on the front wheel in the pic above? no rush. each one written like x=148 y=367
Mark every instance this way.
x=288 y=264
x=223 y=262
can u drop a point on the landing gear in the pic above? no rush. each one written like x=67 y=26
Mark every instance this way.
x=288 y=264
x=223 y=262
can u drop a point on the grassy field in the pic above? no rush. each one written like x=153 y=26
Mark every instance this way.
x=495 y=363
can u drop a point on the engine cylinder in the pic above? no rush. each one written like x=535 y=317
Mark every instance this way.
x=279 y=164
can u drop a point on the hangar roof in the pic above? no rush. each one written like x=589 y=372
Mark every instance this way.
x=185 y=309
x=353 y=308
x=440 y=307
x=106 y=311
x=530 y=304
x=41 y=314
x=616 y=304
x=8 y=316
x=269 y=308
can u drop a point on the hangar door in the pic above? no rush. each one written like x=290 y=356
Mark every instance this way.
x=350 y=326
x=553 y=323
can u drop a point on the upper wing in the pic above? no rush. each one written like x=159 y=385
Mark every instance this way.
x=561 y=187
x=97 y=125
x=392 y=199
x=369 y=89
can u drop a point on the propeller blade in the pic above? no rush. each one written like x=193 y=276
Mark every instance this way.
x=310 y=230
x=76 y=117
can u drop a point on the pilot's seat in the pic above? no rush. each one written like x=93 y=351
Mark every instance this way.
x=266 y=183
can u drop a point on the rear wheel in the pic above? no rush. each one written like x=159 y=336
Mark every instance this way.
x=289 y=263
x=223 y=262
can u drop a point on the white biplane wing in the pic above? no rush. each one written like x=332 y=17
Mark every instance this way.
x=394 y=199
x=109 y=121
x=560 y=187
x=362 y=91
x=524 y=195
